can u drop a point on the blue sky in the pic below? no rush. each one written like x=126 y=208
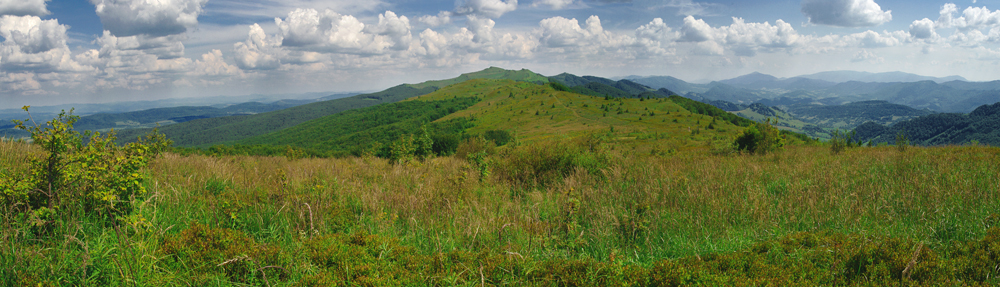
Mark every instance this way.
x=73 y=51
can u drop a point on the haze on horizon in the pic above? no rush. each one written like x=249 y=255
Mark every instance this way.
x=70 y=51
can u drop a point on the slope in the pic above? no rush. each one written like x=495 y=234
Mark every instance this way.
x=532 y=113
x=981 y=125
x=536 y=113
x=206 y=132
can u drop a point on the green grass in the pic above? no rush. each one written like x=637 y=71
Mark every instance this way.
x=584 y=212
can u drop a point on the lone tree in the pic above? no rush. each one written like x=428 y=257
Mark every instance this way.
x=760 y=138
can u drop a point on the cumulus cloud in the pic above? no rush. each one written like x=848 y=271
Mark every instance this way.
x=166 y=47
x=695 y=30
x=442 y=18
x=329 y=31
x=554 y=4
x=257 y=52
x=656 y=30
x=486 y=8
x=31 y=43
x=24 y=7
x=923 y=29
x=972 y=17
x=153 y=18
x=212 y=64
x=748 y=38
x=872 y=39
x=845 y=13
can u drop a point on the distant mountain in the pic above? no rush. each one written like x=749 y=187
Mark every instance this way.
x=762 y=81
x=597 y=86
x=168 y=116
x=981 y=125
x=674 y=84
x=888 y=77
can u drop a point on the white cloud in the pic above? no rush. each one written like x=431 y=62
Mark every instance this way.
x=257 y=52
x=845 y=13
x=330 y=31
x=923 y=29
x=212 y=64
x=397 y=28
x=442 y=18
x=554 y=4
x=486 y=8
x=657 y=30
x=165 y=47
x=23 y=7
x=748 y=38
x=867 y=56
x=972 y=17
x=148 y=17
x=872 y=39
x=695 y=30
x=31 y=43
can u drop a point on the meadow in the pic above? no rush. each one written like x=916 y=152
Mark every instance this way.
x=583 y=211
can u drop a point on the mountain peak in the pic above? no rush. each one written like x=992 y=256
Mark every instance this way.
x=750 y=78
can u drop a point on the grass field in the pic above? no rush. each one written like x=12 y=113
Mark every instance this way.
x=582 y=212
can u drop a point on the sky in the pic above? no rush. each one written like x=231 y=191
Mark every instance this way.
x=93 y=51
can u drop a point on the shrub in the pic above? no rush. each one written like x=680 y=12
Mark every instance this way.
x=839 y=141
x=499 y=137
x=902 y=142
x=760 y=138
x=99 y=177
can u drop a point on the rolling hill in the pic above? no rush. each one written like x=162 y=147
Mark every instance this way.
x=530 y=112
x=207 y=132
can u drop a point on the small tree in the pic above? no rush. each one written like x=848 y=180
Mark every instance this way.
x=99 y=177
x=902 y=142
x=760 y=138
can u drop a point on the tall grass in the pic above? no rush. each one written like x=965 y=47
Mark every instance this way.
x=263 y=220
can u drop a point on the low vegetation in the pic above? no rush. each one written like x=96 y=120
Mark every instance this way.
x=582 y=212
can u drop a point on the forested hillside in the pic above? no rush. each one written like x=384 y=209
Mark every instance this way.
x=981 y=125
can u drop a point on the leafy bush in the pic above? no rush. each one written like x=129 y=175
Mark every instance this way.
x=499 y=137
x=99 y=177
x=760 y=138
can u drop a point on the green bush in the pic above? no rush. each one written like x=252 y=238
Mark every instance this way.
x=760 y=138
x=99 y=177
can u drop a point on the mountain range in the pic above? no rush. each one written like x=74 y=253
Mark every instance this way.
x=813 y=105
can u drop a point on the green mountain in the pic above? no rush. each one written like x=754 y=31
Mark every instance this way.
x=354 y=131
x=530 y=112
x=602 y=87
x=981 y=125
x=207 y=132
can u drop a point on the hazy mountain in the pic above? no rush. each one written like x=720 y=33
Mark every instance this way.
x=888 y=77
x=597 y=86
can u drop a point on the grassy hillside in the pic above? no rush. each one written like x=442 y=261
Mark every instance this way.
x=540 y=113
x=529 y=112
x=207 y=132
x=868 y=216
